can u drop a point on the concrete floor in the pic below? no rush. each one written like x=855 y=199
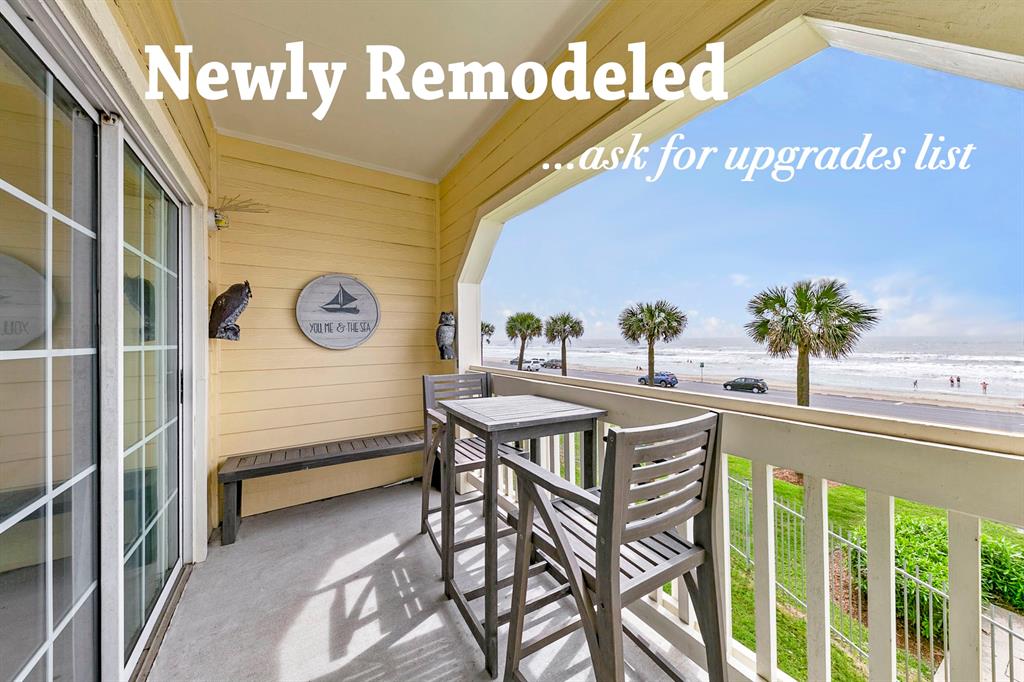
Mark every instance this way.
x=347 y=589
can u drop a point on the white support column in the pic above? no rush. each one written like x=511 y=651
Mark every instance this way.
x=881 y=588
x=467 y=325
x=816 y=554
x=111 y=490
x=964 y=596
x=762 y=483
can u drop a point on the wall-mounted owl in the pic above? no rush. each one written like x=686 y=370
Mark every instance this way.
x=445 y=335
x=226 y=309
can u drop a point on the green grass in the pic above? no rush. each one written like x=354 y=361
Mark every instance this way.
x=846 y=505
x=791 y=632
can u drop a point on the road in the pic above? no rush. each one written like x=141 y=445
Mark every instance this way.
x=898 y=409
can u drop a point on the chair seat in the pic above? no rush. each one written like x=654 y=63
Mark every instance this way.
x=470 y=453
x=656 y=559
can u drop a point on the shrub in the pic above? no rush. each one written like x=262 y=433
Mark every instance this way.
x=922 y=546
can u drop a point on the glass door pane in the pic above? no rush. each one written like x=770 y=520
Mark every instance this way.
x=150 y=462
x=49 y=521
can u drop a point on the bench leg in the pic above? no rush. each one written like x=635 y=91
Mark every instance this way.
x=232 y=515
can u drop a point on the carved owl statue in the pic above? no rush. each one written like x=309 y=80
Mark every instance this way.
x=445 y=335
x=226 y=309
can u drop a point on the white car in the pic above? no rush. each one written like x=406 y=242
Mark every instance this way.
x=531 y=366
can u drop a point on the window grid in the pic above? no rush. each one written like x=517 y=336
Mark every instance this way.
x=165 y=331
x=47 y=353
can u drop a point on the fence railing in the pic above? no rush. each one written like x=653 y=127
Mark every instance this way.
x=793 y=553
x=923 y=606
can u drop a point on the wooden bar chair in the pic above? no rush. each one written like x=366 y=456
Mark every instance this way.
x=469 y=455
x=620 y=542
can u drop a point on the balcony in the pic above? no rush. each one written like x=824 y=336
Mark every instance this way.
x=347 y=588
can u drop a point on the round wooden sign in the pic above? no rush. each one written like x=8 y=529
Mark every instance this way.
x=22 y=304
x=337 y=312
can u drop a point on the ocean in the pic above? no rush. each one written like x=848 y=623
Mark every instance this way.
x=884 y=364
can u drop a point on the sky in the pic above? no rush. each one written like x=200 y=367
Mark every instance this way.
x=938 y=253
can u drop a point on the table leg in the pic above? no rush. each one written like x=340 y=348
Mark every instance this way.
x=491 y=556
x=590 y=456
x=448 y=509
x=535 y=450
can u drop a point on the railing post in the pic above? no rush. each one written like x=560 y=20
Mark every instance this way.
x=722 y=550
x=762 y=484
x=816 y=560
x=964 y=596
x=881 y=588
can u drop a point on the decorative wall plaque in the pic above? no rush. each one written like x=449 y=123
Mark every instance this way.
x=337 y=312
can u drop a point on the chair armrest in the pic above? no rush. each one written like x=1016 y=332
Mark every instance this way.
x=555 y=485
x=437 y=415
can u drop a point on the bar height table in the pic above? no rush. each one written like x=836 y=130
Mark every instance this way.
x=504 y=419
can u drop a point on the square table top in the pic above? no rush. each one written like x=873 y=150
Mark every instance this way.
x=500 y=413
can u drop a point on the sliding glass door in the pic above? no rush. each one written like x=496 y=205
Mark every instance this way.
x=58 y=523
x=49 y=544
x=150 y=361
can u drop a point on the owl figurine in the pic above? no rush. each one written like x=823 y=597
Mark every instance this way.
x=445 y=335
x=226 y=309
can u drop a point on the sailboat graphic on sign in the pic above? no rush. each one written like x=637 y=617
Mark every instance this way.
x=341 y=303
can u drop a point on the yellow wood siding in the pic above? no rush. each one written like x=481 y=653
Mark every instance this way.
x=275 y=388
x=153 y=22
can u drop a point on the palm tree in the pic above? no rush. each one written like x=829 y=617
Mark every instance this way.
x=816 y=319
x=651 y=322
x=486 y=332
x=563 y=327
x=522 y=326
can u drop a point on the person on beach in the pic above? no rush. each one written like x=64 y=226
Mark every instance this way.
x=951 y=380
x=915 y=384
x=958 y=382
x=984 y=387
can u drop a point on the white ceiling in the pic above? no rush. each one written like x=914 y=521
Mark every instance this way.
x=417 y=138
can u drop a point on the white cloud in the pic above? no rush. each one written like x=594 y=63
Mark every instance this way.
x=914 y=305
x=739 y=280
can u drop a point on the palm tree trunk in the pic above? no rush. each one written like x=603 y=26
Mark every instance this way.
x=522 y=351
x=564 y=368
x=650 y=363
x=481 y=349
x=803 y=377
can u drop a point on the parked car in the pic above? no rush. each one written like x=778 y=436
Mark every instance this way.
x=663 y=379
x=531 y=366
x=552 y=364
x=746 y=384
x=515 y=361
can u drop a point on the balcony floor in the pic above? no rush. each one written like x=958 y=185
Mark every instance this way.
x=347 y=589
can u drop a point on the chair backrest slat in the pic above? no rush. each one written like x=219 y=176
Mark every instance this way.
x=656 y=477
x=676 y=497
x=638 y=530
x=654 y=452
x=454 y=387
x=652 y=472
x=666 y=484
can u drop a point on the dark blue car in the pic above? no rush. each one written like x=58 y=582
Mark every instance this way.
x=663 y=379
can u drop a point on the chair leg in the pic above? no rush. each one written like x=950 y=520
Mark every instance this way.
x=429 y=456
x=704 y=594
x=448 y=511
x=519 y=584
x=609 y=662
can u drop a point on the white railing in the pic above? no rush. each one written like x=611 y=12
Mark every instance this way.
x=971 y=474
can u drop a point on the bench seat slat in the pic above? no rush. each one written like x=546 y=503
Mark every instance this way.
x=253 y=465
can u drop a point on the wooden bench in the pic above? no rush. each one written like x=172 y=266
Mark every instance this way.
x=234 y=470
